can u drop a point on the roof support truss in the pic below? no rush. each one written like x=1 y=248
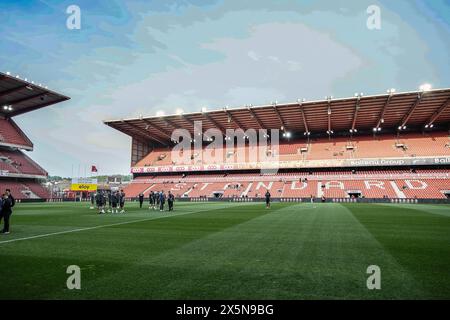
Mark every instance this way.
x=280 y=117
x=383 y=111
x=355 y=114
x=329 y=115
x=144 y=133
x=439 y=111
x=305 y=122
x=411 y=110
x=215 y=123
x=231 y=118
x=254 y=116
x=158 y=128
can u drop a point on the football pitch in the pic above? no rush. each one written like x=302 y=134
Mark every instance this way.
x=226 y=250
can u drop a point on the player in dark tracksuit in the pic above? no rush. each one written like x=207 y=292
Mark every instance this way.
x=109 y=201
x=7 y=202
x=158 y=199
x=151 y=200
x=114 y=202
x=99 y=202
x=162 y=201
x=170 y=200
x=122 y=201
x=141 y=200
x=267 y=199
x=92 y=200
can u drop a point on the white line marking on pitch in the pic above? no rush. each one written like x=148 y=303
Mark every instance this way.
x=101 y=226
x=92 y=228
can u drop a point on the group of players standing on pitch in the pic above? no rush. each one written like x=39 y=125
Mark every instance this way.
x=157 y=200
x=115 y=200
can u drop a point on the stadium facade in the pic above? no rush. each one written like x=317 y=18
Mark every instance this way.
x=18 y=171
x=389 y=147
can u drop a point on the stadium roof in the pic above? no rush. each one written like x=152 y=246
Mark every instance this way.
x=393 y=111
x=18 y=96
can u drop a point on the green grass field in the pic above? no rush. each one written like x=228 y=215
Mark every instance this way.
x=228 y=251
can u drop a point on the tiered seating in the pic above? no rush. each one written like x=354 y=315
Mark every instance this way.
x=11 y=135
x=254 y=185
x=428 y=145
x=335 y=148
x=18 y=162
x=37 y=189
x=378 y=147
x=134 y=189
x=384 y=146
x=294 y=189
x=24 y=190
x=425 y=189
x=258 y=189
x=205 y=189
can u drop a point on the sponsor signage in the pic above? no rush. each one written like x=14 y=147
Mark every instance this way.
x=83 y=184
x=298 y=164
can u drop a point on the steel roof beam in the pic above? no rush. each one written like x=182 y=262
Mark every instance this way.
x=438 y=112
x=383 y=111
x=280 y=117
x=408 y=115
x=302 y=112
x=355 y=114
x=253 y=115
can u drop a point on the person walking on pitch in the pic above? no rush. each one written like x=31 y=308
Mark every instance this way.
x=151 y=200
x=162 y=201
x=141 y=200
x=170 y=200
x=268 y=199
x=122 y=201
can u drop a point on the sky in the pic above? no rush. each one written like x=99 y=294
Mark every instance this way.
x=138 y=57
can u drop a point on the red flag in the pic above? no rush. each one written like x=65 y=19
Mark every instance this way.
x=94 y=169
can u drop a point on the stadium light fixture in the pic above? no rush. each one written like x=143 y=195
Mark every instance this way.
x=179 y=111
x=160 y=113
x=391 y=90
x=204 y=109
x=8 y=73
x=425 y=87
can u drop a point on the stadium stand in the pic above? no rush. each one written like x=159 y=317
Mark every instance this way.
x=386 y=146
x=10 y=134
x=393 y=146
x=18 y=171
